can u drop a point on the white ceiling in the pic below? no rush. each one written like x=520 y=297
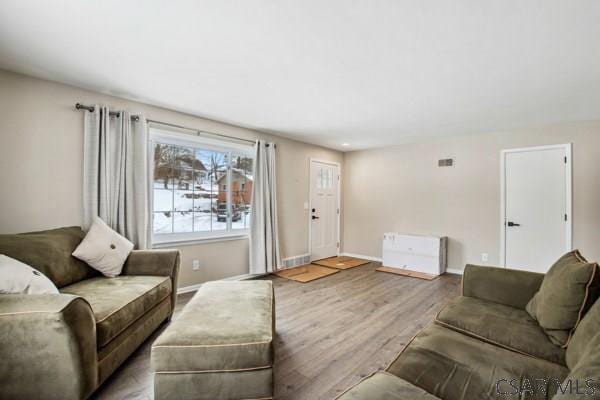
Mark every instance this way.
x=369 y=73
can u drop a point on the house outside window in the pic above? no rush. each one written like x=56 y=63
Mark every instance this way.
x=201 y=187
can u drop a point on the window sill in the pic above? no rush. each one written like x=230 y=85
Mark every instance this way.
x=165 y=243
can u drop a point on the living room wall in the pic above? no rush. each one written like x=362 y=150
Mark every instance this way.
x=41 y=158
x=401 y=188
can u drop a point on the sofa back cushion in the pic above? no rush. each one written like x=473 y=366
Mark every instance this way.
x=583 y=381
x=568 y=289
x=588 y=329
x=50 y=253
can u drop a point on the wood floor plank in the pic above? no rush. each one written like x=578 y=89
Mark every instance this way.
x=331 y=332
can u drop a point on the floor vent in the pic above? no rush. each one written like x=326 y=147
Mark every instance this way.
x=296 y=260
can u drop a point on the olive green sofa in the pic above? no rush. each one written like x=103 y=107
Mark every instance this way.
x=484 y=345
x=63 y=346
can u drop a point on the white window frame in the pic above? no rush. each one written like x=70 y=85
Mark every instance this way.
x=174 y=137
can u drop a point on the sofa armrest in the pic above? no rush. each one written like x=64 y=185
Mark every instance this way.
x=155 y=262
x=47 y=347
x=506 y=286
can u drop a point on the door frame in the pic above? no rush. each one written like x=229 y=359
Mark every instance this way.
x=568 y=148
x=339 y=202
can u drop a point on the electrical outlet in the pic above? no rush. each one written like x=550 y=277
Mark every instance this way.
x=484 y=257
x=195 y=265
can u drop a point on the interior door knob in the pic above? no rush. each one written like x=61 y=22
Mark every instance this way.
x=510 y=223
x=315 y=217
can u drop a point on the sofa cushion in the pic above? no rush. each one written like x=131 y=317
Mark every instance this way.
x=585 y=332
x=583 y=381
x=119 y=302
x=385 y=386
x=226 y=327
x=568 y=289
x=454 y=366
x=50 y=253
x=505 y=326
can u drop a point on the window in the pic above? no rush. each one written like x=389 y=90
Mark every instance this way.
x=201 y=187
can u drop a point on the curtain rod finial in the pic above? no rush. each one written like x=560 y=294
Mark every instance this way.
x=80 y=106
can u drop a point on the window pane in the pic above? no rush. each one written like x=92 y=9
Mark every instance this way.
x=219 y=215
x=202 y=221
x=183 y=200
x=162 y=222
x=163 y=178
x=183 y=179
x=163 y=200
x=183 y=157
x=241 y=190
x=183 y=222
x=211 y=172
x=219 y=200
x=202 y=201
x=163 y=166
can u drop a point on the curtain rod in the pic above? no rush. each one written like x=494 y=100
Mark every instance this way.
x=199 y=132
x=80 y=106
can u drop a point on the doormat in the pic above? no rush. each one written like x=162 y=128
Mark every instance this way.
x=406 y=272
x=305 y=273
x=341 y=262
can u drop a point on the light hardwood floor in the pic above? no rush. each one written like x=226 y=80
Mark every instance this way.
x=330 y=332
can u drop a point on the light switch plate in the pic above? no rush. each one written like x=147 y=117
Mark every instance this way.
x=195 y=265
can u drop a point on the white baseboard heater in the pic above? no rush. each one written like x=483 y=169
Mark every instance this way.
x=418 y=253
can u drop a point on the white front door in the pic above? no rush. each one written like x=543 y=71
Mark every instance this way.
x=537 y=214
x=323 y=209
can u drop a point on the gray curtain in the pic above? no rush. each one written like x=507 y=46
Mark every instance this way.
x=264 y=238
x=116 y=174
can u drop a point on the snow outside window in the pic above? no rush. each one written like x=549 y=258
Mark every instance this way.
x=200 y=190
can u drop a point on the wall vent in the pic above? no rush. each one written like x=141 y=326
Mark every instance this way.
x=296 y=261
x=446 y=162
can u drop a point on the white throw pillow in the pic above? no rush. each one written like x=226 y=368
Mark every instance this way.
x=18 y=277
x=104 y=249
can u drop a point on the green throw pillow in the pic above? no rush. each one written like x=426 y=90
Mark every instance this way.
x=567 y=291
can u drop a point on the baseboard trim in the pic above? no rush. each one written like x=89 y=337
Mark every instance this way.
x=454 y=271
x=364 y=257
x=188 y=289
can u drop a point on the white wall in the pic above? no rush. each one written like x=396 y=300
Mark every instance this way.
x=401 y=188
x=41 y=156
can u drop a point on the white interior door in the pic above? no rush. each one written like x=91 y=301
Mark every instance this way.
x=537 y=206
x=323 y=209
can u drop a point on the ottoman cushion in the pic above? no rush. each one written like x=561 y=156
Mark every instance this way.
x=385 y=386
x=226 y=327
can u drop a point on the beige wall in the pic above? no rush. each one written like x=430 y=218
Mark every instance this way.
x=402 y=189
x=41 y=142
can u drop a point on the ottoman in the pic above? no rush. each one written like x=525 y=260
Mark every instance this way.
x=220 y=346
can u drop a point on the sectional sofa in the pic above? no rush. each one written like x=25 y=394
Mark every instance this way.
x=485 y=344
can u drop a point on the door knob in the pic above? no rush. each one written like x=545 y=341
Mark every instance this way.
x=315 y=217
x=510 y=223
